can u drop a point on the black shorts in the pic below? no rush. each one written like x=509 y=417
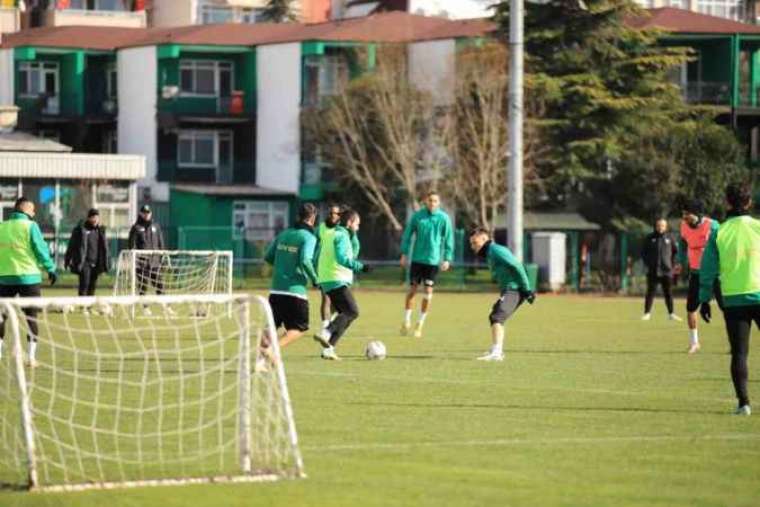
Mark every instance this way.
x=422 y=274
x=290 y=312
x=505 y=306
x=692 y=298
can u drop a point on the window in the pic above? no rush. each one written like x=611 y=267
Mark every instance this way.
x=678 y=4
x=204 y=149
x=97 y=5
x=325 y=77
x=260 y=220
x=730 y=9
x=211 y=14
x=111 y=83
x=647 y=4
x=110 y=142
x=37 y=78
x=112 y=200
x=206 y=78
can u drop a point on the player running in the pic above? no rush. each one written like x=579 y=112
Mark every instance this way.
x=733 y=254
x=695 y=232
x=292 y=255
x=339 y=261
x=513 y=282
x=433 y=236
x=326 y=234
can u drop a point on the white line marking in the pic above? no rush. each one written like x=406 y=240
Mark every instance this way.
x=537 y=441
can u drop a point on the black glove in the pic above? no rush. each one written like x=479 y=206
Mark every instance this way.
x=528 y=295
x=52 y=277
x=706 y=312
x=366 y=268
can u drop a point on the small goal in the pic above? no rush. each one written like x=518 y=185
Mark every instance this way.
x=173 y=272
x=119 y=402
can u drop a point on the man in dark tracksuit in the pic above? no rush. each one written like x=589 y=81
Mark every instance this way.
x=146 y=235
x=22 y=252
x=87 y=254
x=659 y=254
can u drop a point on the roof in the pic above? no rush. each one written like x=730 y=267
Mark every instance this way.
x=231 y=190
x=19 y=141
x=682 y=21
x=382 y=27
x=72 y=166
x=80 y=37
x=554 y=221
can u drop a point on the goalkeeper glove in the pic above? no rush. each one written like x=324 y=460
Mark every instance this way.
x=52 y=277
x=706 y=312
x=528 y=295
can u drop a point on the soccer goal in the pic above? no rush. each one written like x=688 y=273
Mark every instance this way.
x=119 y=402
x=173 y=272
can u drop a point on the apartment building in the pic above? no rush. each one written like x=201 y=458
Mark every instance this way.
x=451 y=9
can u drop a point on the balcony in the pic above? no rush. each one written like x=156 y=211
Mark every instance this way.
x=224 y=174
x=707 y=93
x=82 y=17
x=235 y=107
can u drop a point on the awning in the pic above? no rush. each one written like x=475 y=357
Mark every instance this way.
x=71 y=166
x=553 y=221
x=232 y=190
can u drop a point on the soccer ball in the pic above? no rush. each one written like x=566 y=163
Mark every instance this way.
x=375 y=350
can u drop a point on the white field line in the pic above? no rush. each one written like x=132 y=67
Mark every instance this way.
x=537 y=441
x=431 y=380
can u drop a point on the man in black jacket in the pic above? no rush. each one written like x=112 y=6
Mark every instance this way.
x=146 y=235
x=87 y=254
x=659 y=254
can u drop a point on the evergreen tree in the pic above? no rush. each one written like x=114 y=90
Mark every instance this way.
x=278 y=11
x=602 y=85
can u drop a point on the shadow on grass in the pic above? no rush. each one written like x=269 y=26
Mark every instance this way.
x=643 y=410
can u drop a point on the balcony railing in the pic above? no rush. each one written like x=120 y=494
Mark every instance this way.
x=233 y=105
x=707 y=92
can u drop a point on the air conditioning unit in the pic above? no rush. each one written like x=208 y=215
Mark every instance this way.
x=169 y=92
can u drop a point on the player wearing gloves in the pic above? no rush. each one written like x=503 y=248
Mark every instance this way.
x=733 y=254
x=338 y=263
x=513 y=282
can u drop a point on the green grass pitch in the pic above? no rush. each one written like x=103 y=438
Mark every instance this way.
x=590 y=407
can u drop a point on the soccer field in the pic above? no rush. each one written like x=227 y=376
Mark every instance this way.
x=590 y=407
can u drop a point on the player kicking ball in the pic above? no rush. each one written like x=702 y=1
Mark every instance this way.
x=695 y=232
x=513 y=282
x=433 y=248
x=338 y=257
x=292 y=256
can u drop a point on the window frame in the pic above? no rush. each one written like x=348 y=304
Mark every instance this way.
x=216 y=136
x=218 y=65
x=39 y=67
x=275 y=209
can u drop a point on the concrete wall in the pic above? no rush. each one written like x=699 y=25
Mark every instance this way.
x=137 y=125
x=10 y=21
x=173 y=12
x=7 y=96
x=95 y=18
x=432 y=68
x=453 y=9
x=278 y=139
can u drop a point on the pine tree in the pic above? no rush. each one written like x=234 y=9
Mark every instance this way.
x=278 y=11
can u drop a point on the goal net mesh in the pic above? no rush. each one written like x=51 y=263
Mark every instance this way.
x=117 y=401
x=141 y=272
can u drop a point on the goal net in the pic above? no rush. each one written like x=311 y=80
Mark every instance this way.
x=141 y=272
x=115 y=401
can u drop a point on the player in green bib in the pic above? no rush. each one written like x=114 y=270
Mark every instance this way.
x=733 y=254
x=326 y=234
x=23 y=252
x=292 y=256
x=336 y=264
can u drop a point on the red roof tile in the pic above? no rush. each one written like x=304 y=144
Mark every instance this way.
x=381 y=27
x=682 y=21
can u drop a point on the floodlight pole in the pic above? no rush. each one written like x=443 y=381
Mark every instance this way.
x=515 y=155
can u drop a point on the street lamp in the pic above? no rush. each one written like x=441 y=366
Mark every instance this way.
x=515 y=155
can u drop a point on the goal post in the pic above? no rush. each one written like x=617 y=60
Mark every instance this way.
x=120 y=402
x=173 y=272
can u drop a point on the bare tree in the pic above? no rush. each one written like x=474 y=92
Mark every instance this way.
x=375 y=135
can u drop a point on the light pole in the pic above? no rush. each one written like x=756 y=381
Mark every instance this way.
x=515 y=155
